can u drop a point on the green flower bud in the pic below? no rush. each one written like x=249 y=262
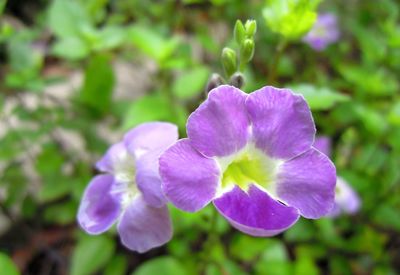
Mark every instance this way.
x=239 y=32
x=247 y=50
x=229 y=61
x=251 y=28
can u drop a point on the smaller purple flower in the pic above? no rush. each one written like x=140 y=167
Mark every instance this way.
x=346 y=199
x=129 y=191
x=324 y=32
x=252 y=156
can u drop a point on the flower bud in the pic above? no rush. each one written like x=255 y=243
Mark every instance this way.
x=237 y=80
x=239 y=32
x=214 y=81
x=247 y=50
x=251 y=28
x=229 y=61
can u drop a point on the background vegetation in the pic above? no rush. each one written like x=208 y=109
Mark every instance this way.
x=75 y=74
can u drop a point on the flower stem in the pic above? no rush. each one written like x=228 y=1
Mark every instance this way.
x=275 y=62
x=208 y=244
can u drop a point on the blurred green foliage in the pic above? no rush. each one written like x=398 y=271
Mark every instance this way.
x=7 y=265
x=52 y=130
x=290 y=18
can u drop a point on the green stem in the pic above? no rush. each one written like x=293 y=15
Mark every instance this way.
x=275 y=62
x=208 y=244
x=242 y=66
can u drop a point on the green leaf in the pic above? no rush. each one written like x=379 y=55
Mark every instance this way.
x=373 y=81
x=147 y=108
x=66 y=18
x=165 y=265
x=372 y=43
x=247 y=248
x=7 y=266
x=372 y=119
x=387 y=216
x=71 y=48
x=319 y=98
x=290 y=18
x=21 y=56
x=191 y=83
x=394 y=115
x=303 y=230
x=96 y=8
x=53 y=189
x=109 y=37
x=152 y=43
x=117 y=266
x=98 y=84
x=15 y=183
x=49 y=162
x=64 y=213
x=91 y=254
x=274 y=259
x=305 y=265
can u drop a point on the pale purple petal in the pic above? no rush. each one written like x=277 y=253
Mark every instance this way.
x=148 y=178
x=307 y=182
x=99 y=209
x=346 y=199
x=283 y=126
x=323 y=144
x=110 y=159
x=143 y=227
x=220 y=125
x=150 y=136
x=324 y=32
x=255 y=212
x=189 y=179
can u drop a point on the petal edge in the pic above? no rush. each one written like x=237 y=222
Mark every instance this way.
x=307 y=182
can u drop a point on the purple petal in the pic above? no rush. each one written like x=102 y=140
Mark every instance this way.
x=324 y=32
x=189 y=179
x=143 y=227
x=220 y=125
x=116 y=155
x=99 y=209
x=255 y=212
x=346 y=199
x=307 y=182
x=335 y=211
x=282 y=123
x=323 y=144
x=326 y=19
x=148 y=178
x=150 y=136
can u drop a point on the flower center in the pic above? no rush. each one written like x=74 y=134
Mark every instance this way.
x=249 y=166
x=124 y=173
x=125 y=191
x=320 y=31
x=124 y=167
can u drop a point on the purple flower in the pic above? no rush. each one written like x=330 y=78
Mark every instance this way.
x=324 y=32
x=129 y=191
x=251 y=155
x=346 y=199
